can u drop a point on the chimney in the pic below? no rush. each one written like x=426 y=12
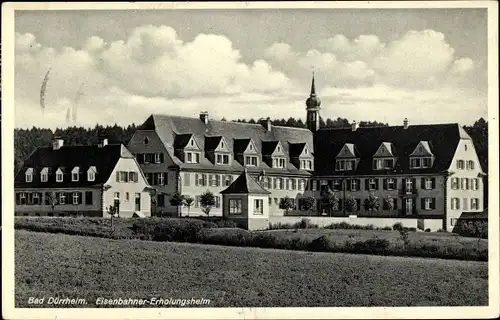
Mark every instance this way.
x=57 y=143
x=102 y=142
x=354 y=125
x=268 y=124
x=204 y=117
x=405 y=123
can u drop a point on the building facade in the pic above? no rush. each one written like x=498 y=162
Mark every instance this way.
x=81 y=180
x=425 y=172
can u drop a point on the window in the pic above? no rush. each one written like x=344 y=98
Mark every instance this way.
x=345 y=165
x=454 y=183
x=460 y=164
x=76 y=198
x=453 y=221
x=455 y=203
x=22 y=198
x=426 y=162
x=214 y=180
x=29 y=177
x=146 y=140
x=75 y=176
x=409 y=185
x=428 y=203
x=337 y=184
x=372 y=184
x=200 y=179
x=91 y=176
x=217 y=201
x=191 y=143
x=36 y=198
x=227 y=180
x=251 y=147
x=378 y=164
x=88 y=198
x=222 y=144
x=187 y=179
x=160 y=202
x=474 y=203
x=282 y=163
x=158 y=157
x=44 y=177
x=415 y=163
x=391 y=184
x=475 y=184
x=59 y=176
x=127 y=196
x=290 y=184
x=465 y=147
x=279 y=149
x=465 y=203
x=62 y=198
x=251 y=161
x=354 y=185
x=147 y=158
x=258 y=206
x=428 y=184
x=222 y=159
x=309 y=165
x=470 y=165
x=464 y=184
x=302 y=184
x=192 y=157
x=235 y=206
x=277 y=183
x=116 y=195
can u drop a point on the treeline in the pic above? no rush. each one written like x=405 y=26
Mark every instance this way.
x=27 y=140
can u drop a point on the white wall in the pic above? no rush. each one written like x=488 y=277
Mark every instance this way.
x=324 y=221
x=127 y=208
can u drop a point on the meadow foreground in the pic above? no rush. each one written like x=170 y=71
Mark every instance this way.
x=86 y=267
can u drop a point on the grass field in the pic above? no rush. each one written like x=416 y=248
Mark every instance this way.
x=86 y=267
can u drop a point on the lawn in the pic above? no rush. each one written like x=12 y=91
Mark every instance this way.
x=86 y=267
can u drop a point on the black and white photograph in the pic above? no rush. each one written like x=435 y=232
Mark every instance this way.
x=250 y=160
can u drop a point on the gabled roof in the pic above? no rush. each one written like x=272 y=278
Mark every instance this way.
x=443 y=138
x=68 y=157
x=391 y=151
x=426 y=149
x=351 y=151
x=245 y=184
x=168 y=127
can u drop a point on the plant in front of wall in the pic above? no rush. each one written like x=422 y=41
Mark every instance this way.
x=207 y=202
x=351 y=205
x=177 y=200
x=286 y=204
x=188 y=202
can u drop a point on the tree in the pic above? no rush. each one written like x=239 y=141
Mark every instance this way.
x=112 y=210
x=188 y=202
x=351 y=205
x=207 y=201
x=52 y=200
x=308 y=203
x=177 y=200
x=389 y=203
x=329 y=199
x=372 y=203
x=286 y=204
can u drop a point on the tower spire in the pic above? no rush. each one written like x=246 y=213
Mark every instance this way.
x=313 y=104
x=313 y=87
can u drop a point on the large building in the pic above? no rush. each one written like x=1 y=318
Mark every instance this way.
x=82 y=180
x=426 y=172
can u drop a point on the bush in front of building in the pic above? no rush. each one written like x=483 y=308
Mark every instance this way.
x=398 y=226
x=476 y=229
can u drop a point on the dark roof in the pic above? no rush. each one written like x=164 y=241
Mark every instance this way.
x=240 y=145
x=296 y=149
x=268 y=147
x=211 y=143
x=443 y=139
x=245 y=184
x=69 y=157
x=169 y=127
x=474 y=215
x=181 y=140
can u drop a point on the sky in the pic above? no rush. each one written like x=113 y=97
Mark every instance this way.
x=427 y=65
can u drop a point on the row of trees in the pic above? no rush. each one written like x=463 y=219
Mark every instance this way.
x=207 y=201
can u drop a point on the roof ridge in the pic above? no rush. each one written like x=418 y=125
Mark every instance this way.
x=377 y=127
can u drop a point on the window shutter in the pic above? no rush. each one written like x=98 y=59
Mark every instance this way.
x=376 y=184
x=433 y=203
x=340 y=204
x=358 y=184
x=385 y=184
x=422 y=203
x=204 y=179
x=358 y=202
x=348 y=185
x=414 y=184
x=433 y=183
x=18 y=198
x=117 y=176
x=80 y=197
x=422 y=184
x=367 y=184
x=162 y=159
x=195 y=179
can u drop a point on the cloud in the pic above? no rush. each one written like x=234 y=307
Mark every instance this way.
x=153 y=70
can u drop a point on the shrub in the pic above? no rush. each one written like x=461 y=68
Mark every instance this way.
x=441 y=230
x=304 y=224
x=398 y=226
x=280 y=225
x=478 y=229
x=427 y=230
x=386 y=228
x=412 y=229
x=319 y=244
x=372 y=246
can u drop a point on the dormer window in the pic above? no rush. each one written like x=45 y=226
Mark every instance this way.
x=251 y=161
x=44 y=175
x=29 y=175
x=75 y=174
x=380 y=164
x=345 y=165
x=421 y=162
x=422 y=156
x=91 y=174
x=222 y=159
x=191 y=143
x=59 y=175
x=305 y=164
x=192 y=157
x=279 y=162
x=146 y=140
x=251 y=147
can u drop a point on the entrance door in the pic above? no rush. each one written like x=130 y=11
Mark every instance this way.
x=409 y=206
x=137 y=202
x=117 y=206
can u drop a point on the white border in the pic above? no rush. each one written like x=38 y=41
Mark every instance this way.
x=8 y=310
